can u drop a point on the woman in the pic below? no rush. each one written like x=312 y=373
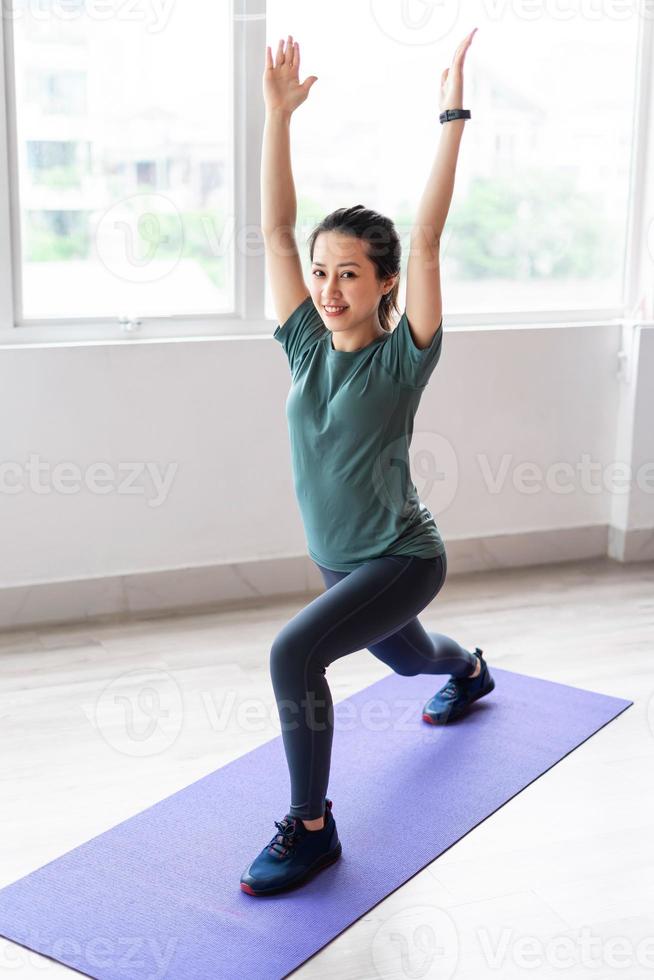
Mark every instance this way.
x=356 y=386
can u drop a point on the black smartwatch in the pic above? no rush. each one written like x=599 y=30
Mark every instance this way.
x=450 y=114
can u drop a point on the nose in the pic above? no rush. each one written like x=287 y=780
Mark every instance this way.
x=327 y=283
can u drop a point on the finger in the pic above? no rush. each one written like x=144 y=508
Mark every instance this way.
x=457 y=60
x=459 y=52
x=463 y=54
x=459 y=49
x=463 y=47
x=296 y=57
x=289 y=51
x=269 y=60
x=280 y=54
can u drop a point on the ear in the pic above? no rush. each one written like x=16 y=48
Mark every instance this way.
x=390 y=282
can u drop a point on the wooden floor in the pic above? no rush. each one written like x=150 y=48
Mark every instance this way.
x=559 y=879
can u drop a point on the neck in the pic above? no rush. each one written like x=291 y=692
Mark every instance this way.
x=358 y=335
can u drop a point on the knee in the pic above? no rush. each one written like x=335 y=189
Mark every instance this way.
x=282 y=654
x=289 y=657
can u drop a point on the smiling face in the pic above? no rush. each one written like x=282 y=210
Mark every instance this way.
x=343 y=275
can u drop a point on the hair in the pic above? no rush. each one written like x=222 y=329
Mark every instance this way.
x=382 y=243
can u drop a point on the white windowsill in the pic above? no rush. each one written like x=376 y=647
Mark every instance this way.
x=204 y=329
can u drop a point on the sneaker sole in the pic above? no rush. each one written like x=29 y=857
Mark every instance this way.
x=318 y=865
x=453 y=716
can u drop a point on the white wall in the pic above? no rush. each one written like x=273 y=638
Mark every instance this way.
x=641 y=514
x=216 y=408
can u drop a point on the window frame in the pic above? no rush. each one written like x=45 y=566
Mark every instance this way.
x=249 y=39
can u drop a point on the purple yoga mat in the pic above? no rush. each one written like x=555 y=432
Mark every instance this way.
x=159 y=896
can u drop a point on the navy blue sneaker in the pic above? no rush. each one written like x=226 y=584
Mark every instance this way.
x=293 y=855
x=454 y=697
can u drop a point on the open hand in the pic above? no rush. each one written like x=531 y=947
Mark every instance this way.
x=452 y=77
x=281 y=85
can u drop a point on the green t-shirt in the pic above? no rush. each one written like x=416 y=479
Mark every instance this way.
x=350 y=421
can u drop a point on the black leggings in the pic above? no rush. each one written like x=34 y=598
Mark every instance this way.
x=375 y=606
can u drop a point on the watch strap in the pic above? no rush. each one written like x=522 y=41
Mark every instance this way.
x=450 y=114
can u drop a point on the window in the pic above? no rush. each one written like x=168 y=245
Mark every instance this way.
x=538 y=217
x=134 y=131
x=123 y=154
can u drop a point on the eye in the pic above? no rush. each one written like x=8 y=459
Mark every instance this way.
x=315 y=271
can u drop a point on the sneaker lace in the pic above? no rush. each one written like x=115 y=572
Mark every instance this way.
x=285 y=839
x=451 y=690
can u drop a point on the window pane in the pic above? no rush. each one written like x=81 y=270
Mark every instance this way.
x=124 y=157
x=538 y=215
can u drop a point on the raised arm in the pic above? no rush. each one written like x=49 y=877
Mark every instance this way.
x=282 y=94
x=424 y=307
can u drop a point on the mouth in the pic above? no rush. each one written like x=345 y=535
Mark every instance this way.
x=335 y=310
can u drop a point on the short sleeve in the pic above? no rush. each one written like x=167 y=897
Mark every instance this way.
x=302 y=331
x=407 y=363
